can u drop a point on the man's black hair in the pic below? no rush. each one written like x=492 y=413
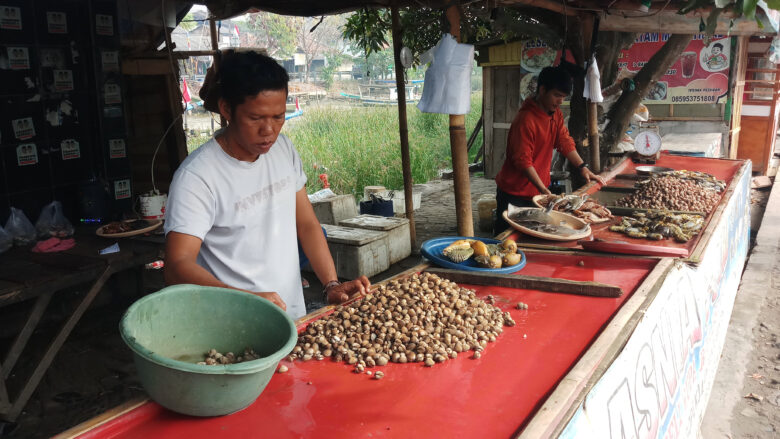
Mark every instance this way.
x=557 y=78
x=717 y=45
x=247 y=73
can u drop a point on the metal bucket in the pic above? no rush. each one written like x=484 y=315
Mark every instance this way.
x=152 y=205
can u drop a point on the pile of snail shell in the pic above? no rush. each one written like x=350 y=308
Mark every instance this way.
x=420 y=319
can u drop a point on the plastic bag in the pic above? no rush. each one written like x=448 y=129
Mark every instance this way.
x=641 y=114
x=20 y=228
x=447 y=87
x=774 y=51
x=52 y=223
x=6 y=241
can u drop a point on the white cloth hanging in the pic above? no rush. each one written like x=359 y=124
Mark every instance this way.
x=447 y=88
x=592 y=90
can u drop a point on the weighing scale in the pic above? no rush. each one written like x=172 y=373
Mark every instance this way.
x=648 y=147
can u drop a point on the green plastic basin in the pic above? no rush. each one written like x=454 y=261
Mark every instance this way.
x=170 y=331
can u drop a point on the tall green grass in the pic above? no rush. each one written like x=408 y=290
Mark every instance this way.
x=360 y=147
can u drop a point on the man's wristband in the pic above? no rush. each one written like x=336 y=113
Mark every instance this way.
x=582 y=165
x=328 y=285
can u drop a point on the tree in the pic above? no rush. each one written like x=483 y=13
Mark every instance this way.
x=317 y=37
x=277 y=33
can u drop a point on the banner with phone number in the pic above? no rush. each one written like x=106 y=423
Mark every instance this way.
x=699 y=76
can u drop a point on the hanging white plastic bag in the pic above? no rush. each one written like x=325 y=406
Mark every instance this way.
x=20 y=228
x=52 y=222
x=6 y=241
x=592 y=90
x=447 y=88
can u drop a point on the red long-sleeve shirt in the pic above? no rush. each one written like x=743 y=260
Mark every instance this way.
x=532 y=137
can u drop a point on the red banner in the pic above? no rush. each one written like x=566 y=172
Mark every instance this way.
x=699 y=76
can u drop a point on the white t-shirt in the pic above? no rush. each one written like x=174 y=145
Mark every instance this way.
x=245 y=215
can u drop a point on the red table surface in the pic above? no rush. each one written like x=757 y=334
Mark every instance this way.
x=490 y=397
x=720 y=169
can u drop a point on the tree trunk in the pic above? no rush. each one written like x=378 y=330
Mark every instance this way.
x=620 y=113
x=610 y=44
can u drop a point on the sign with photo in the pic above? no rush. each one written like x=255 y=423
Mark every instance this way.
x=18 y=58
x=536 y=55
x=122 y=189
x=104 y=25
x=116 y=148
x=10 y=18
x=70 y=149
x=112 y=93
x=23 y=128
x=57 y=22
x=63 y=80
x=26 y=154
x=699 y=76
x=110 y=60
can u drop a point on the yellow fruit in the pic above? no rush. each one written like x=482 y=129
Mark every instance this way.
x=480 y=249
x=495 y=261
x=511 y=259
x=509 y=246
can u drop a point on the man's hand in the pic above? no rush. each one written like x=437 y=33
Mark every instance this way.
x=273 y=297
x=545 y=191
x=343 y=292
x=589 y=175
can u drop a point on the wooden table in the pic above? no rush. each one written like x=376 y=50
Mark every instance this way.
x=36 y=277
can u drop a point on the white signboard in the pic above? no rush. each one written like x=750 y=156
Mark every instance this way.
x=26 y=154
x=70 y=149
x=104 y=25
x=18 y=58
x=23 y=128
x=63 y=80
x=659 y=384
x=10 y=18
x=122 y=189
x=116 y=148
x=57 y=22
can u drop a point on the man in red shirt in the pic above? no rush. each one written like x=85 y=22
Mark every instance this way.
x=537 y=128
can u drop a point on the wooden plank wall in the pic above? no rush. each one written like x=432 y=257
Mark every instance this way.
x=501 y=88
x=737 y=96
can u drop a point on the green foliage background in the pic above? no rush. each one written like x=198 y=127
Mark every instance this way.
x=359 y=147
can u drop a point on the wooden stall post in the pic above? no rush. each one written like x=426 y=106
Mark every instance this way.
x=217 y=56
x=460 y=156
x=590 y=29
x=403 y=130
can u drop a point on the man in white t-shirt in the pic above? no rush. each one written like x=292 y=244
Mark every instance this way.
x=238 y=206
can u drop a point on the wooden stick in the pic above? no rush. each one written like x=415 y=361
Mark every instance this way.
x=595 y=289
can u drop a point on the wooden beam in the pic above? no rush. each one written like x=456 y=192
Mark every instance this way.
x=460 y=155
x=403 y=130
x=587 y=288
x=543 y=4
x=669 y=21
